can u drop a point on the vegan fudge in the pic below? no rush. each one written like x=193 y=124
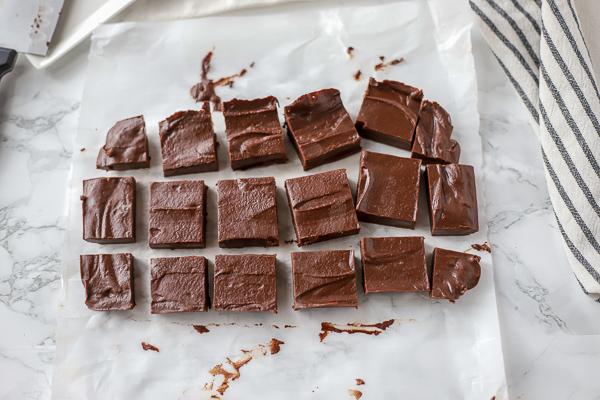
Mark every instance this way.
x=126 y=146
x=432 y=141
x=108 y=281
x=453 y=273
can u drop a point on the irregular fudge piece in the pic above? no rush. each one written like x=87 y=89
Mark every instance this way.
x=321 y=206
x=321 y=128
x=187 y=143
x=126 y=146
x=324 y=279
x=109 y=210
x=389 y=113
x=245 y=283
x=253 y=132
x=453 y=273
x=179 y=284
x=108 y=281
x=177 y=215
x=394 y=264
x=432 y=141
x=388 y=190
x=247 y=212
x=452 y=200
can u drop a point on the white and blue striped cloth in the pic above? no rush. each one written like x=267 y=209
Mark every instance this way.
x=540 y=46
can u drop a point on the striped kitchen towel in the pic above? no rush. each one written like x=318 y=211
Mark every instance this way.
x=541 y=48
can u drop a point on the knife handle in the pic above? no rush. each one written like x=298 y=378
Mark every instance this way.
x=8 y=57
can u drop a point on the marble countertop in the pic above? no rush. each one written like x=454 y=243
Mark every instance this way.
x=550 y=329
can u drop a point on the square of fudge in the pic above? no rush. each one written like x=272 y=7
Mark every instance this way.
x=452 y=200
x=320 y=128
x=187 y=142
x=453 y=273
x=109 y=210
x=394 y=264
x=177 y=215
x=432 y=142
x=245 y=283
x=108 y=281
x=388 y=190
x=253 y=132
x=247 y=212
x=322 y=207
x=324 y=279
x=389 y=113
x=179 y=284
x=126 y=146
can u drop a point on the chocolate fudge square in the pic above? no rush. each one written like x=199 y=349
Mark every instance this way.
x=388 y=190
x=187 y=143
x=452 y=200
x=389 y=113
x=109 y=210
x=253 y=132
x=320 y=128
x=453 y=273
x=322 y=207
x=394 y=264
x=108 y=281
x=247 y=212
x=179 y=284
x=324 y=279
x=126 y=146
x=432 y=141
x=245 y=283
x=177 y=215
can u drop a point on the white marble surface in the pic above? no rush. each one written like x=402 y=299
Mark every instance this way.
x=551 y=331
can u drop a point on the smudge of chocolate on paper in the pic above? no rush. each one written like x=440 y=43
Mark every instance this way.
x=350 y=52
x=291 y=240
x=357 y=75
x=83 y=149
x=290 y=326
x=275 y=346
x=148 y=346
x=275 y=326
x=359 y=382
x=383 y=65
x=201 y=329
x=355 y=327
x=482 y=247
x=357 y=394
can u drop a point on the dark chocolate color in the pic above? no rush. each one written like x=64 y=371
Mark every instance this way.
x=324 y=279
x=432 y=141
x=388 y=190
x=321 y=128
x=453 y=273
x=205 y=89
x=109 y=210
x=452 y=200
x=322 y=207
x=126 y=146
x=108 y=281
x=247 y=212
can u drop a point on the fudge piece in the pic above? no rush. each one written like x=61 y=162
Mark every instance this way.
x=394 y=264
x=389 y=113
x=432 y=141
x=109 y=210
x=108 y=281
x=245 y=283
x=247 y=212
x=321 y=206
x=388 y=190
x=324 y=279
x=320 y=128
x=253 y=132
x=187 y=143
x=178 y=284
x=453 y=273
x=126 y=146
x=177 y=215
x=452 y=200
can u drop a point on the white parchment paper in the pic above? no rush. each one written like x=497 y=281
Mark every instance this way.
x=435 y=349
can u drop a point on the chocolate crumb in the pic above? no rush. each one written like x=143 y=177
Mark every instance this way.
x=148 y=346
x=359 y=382
x=482 y=247
x=83 y=149
x=357 y=75
x=350 y=52
x=201 y=329
x=275 y=326
x=383 y=65
x=252 y=64
x=290 y=326
x=242 y=73
x=275 y=345
x=381 y=58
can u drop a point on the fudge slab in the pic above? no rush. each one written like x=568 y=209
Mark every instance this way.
x=432 y=142
x=453 y=273
x=108 y=281
x=126 y=146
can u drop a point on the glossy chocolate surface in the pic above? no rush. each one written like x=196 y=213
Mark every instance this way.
x=324 y=279
x=432 y=141
x=453 y=273
x=179 y=284
x=253 y=132
x=245 y=283
x=321 y=128
x=109 y=210
x=126 y=146
x=388 y=190
x=247 y=212
x=108 y=281
x=322 y=207
x=452 y=200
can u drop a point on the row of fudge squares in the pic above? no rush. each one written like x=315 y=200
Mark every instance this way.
x=318 y=125
x=248 y=282
x=322 y=206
